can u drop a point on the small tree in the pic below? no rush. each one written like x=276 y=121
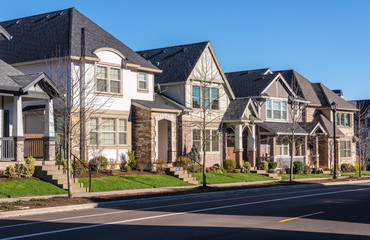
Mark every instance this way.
x=362 y=130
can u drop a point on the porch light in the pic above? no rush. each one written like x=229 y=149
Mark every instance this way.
x=334 y=106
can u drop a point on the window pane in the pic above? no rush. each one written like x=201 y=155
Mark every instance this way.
x=206 y=103
x=122 y=125
x=108 y=124
x=102 y=72
x=93 y=138
x=206 y=92
x=277 y=109
x=101 y=85
x=277 y=114
x=123 y=138
x=269 y=105
x=143 y=80
x=208 y=140
x=109 y=138
x=142 y=85
x=115 y=74
x=285 y=114
x=277 y=105
x=348 y=119
x=269 y=114
x=196 y=138
x=196 y=91
x=214 y=93
x=284 y=105
x=215 y=141
x=338 y=119
x=215 y=104
x=196 y=103
x=142 y=76
x=115 y=86
x=94 y=124
x=342 y=119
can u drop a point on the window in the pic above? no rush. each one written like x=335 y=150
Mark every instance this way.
x=143 y=81
x=282 y=147
x=108 y=79
x=276 y=109
x=94 y=131
x=115 y=80
x=108 y=131
x=212 y=140
x=122 y=131
x=345 y=149
x=102 y=79
x=209 y=95
x=344 y=119
x=196 y=97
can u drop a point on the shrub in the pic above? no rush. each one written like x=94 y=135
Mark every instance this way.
x=307 y=169
x=345 y=167
x=195 y=168
x=141 y=164
x=127 y=168
x=161 y=165
x=131 y=159
x=247 y=165
x=298 y=167
x=272 y=165
x=29 y=167
x=10 y=172
x=194 y=154
x=229 y=164
x=99 y=163
x=363 y=167
x=216 y=170
x=183 y=162
x=354 y=168
x=80 y=168
x=264 y=165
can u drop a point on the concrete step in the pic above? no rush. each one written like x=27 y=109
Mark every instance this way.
x=182 y=175
x=258 y=171
x=194 y=182
x=173 y=169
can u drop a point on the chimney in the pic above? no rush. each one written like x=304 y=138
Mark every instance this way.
x=339 y=92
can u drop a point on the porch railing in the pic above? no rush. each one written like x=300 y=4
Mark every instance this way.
x=33 y=147
x=6 y=148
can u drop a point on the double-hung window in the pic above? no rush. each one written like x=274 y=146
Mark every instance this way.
x=214 y=98
x=94 y=131
x=197 y=139
x=211 y=138
x=102 y=78
x=269 y=109
x=115 y=80
x=344 y=119
x=282 y=147
x=108 y=131
x=143 y=81
x=276 y=109
x=108 y=79
x=345 y=149
x=122 y=131
x=196 y=96
x=205 y=97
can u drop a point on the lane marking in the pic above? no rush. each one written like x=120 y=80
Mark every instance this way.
x=150 y=208
x=157 y=207
x=177 y=214
x=303 y=216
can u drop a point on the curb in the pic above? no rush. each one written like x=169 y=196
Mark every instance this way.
x=86 y=206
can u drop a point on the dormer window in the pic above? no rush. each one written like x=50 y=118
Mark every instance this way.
x=143 y=81
x=108 y=79
x=276 y=109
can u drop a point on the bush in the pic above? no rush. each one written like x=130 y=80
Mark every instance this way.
x=307 y=169
x=99 y=163
x=10 y=172
x=161 y=165
x=194 y=154
x=272 y=165
x=345 y=167
x=247 y=165
x=264 y=165
x=183 y=162
x=229 y=164
x=195 y=168
x=141 y=164
x=80 y=168
x=298 y=167
x=29 y=167
x=354 y=168
x=127 y=168
x=363 y=167
x=131 y=159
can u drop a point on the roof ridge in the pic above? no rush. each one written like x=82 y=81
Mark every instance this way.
x=40 y=14
x=182 y=45
x=249 y=70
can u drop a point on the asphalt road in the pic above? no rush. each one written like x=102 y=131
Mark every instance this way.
x=335 y=212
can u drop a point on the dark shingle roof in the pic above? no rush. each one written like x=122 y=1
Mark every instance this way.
x=236 y=109
x=328 y=125
x=4 y=35
x=57 y=34
x=249 y=83
x=326 y=97
x=281 y=128
x=300 y=85
x=177 y=62
x=158 y=103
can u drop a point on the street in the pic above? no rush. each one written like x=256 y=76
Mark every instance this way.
x=324 y=212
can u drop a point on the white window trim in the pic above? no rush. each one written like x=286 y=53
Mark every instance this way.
x=210 y=96
x=282 y=147
x=119 y=131
x=146 y=81
x=201 y=137
x=281 y=109
x=108 y=79
x=115 y=132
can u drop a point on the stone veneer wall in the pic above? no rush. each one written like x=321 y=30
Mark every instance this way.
x=142 y=133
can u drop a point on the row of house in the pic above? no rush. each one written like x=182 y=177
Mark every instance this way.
x=159 y=102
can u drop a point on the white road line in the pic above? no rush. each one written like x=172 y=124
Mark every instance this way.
x=178 y=213
x=151 y=208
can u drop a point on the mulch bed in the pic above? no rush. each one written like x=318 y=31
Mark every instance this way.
x=107 y=173
x=63 y=201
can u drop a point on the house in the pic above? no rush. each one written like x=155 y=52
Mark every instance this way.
x=280 y=97
x=17 y=91
x=116 y=84
x=193 y=79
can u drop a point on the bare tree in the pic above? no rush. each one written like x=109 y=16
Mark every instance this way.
x=362 y=130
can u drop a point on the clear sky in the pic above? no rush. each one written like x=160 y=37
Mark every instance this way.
x=326 y=41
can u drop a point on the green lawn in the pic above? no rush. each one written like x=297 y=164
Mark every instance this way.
x=214 y=178
x=364 y=173
x=112 y=183
x=29 y=187
x=300 y=176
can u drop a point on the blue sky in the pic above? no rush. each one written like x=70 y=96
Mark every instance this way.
x=326 y=41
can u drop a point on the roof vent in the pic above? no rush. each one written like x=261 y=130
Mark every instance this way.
x=47 y=16
x=18 y=21
x=157 y=63
x=164 y=51
x=61 y=13
x=184 y=49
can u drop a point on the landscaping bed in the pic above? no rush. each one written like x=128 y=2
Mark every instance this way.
x=125 y=182
x=300 y=176
x=27 y=187
x=216 y=178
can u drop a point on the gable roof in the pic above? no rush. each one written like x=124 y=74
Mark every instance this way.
x=4 y=34
x=58 y=34
x=236 y=109
x=326 y=97
x=301 y=85
x=14 y=81
x=279 y=128
x=328 y=125
x=177 y=62
x=159 y=104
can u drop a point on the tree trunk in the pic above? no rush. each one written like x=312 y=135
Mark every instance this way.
x=69 y=180
x=359 y=146
x=291 y=159
x=204 y=149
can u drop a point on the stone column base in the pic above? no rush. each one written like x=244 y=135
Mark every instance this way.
x=252 y=158
x=239 y=159
x=19 y=149
x=49 y=148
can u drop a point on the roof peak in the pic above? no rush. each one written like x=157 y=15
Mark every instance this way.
x=182 y=45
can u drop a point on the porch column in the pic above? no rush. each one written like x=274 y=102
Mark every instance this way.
x=317 y=151
x=252 y=145
x=273 y=148
x=305 y=150
x=239 y=145
x=49 y=131
x=18 y=129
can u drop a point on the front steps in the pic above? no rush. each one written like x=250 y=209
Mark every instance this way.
x=264 y=173
x=58 y=177
x=182 y=174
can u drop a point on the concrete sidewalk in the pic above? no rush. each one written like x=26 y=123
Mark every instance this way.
x=154 y=190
